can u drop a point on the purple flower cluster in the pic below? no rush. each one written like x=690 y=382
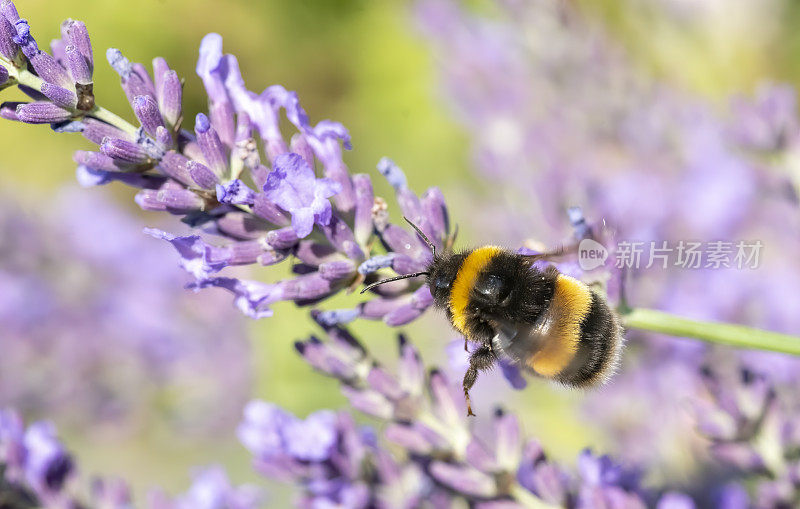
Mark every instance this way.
x=427 y=449
x=96 y=326
x=36 y=470
x=236 y=177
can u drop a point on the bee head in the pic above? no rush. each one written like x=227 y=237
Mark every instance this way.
x=443 y=271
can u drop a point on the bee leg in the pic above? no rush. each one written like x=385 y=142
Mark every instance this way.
x=481 y=359
x=465 y=344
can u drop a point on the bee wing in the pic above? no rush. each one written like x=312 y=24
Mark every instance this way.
x=520 y=341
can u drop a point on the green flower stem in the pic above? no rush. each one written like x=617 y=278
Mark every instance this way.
x=108 y=117
x=721 y=333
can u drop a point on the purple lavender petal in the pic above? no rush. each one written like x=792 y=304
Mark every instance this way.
x=202 y=175
x=49 y=70
x=293 y=186
x=464 y=479
x=88 y=177
x=261 y=430
x=315 y=253
x=8 y=48
x=41 y=113
x=337 y=317
x=235 y=192
x=392 y=173
x=512 y=374
x=97 y=161
x=299 y=145
x=411 y=371
x=253 y=298
x=197 y=257
x=376 y=263
x=176 y=201
x=434 y=210
x=376 y=309
x=3 y=75
x=146 y=110
x=213 y=150
x=409 y=437
x=508 y=440
x=402 y=315
x=169 y=100
x=266 y=209
x=96 y=130
x=78 y=36
x=382 y=381
x=164 y=138
x=337 y=270
x=307 y=287
x=176 y=166
x=78 y=67
x=282 y=238
x=242 y=226
x=311 y=439
x=8 y=110
x=369 y=402
x=125 y=151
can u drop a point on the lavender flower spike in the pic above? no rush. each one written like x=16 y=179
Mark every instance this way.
x=293 y=186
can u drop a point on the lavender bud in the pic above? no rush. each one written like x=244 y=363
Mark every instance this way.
x=402 y=315
x=176 y=166
x=403 y=264
x=171 y=200
x=118 y=62
x=306 y=287
x=77 y=65
x=96 y=161
x=146 y=111
x=96 y=130
x=376 y=309
x=8 y=110
x=41 y=113
x=169 y=100
x=8 y=48
x=392 y=173
x=271 y=256
x=376 y=263
x=464 y=479
x=282 y=238
x=210 y=144
x=435 y=210
x=241 y=225
x=164 y=138
x=337 y=317
x=369 y=402
x=337 y=270
x=245 y=253
x=78 y=36
x=49 y=70
x=202 y=175
x=3 y=75
x=61 y=97
x=124 y=151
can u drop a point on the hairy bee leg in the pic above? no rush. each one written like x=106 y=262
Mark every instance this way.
x=481 y=359
x=469 y=380
x=465 y=344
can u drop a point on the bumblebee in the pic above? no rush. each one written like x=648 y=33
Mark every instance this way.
x=545 y=322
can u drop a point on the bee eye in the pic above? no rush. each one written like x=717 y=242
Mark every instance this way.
x=442 y=282
x=492 y=288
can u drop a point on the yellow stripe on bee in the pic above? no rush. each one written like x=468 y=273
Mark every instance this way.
x=570 y=305
x=472 y=265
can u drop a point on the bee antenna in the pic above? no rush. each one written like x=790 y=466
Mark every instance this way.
x=396 y=278
x=424 y=237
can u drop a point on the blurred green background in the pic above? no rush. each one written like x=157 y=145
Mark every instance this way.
x=364 y=64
